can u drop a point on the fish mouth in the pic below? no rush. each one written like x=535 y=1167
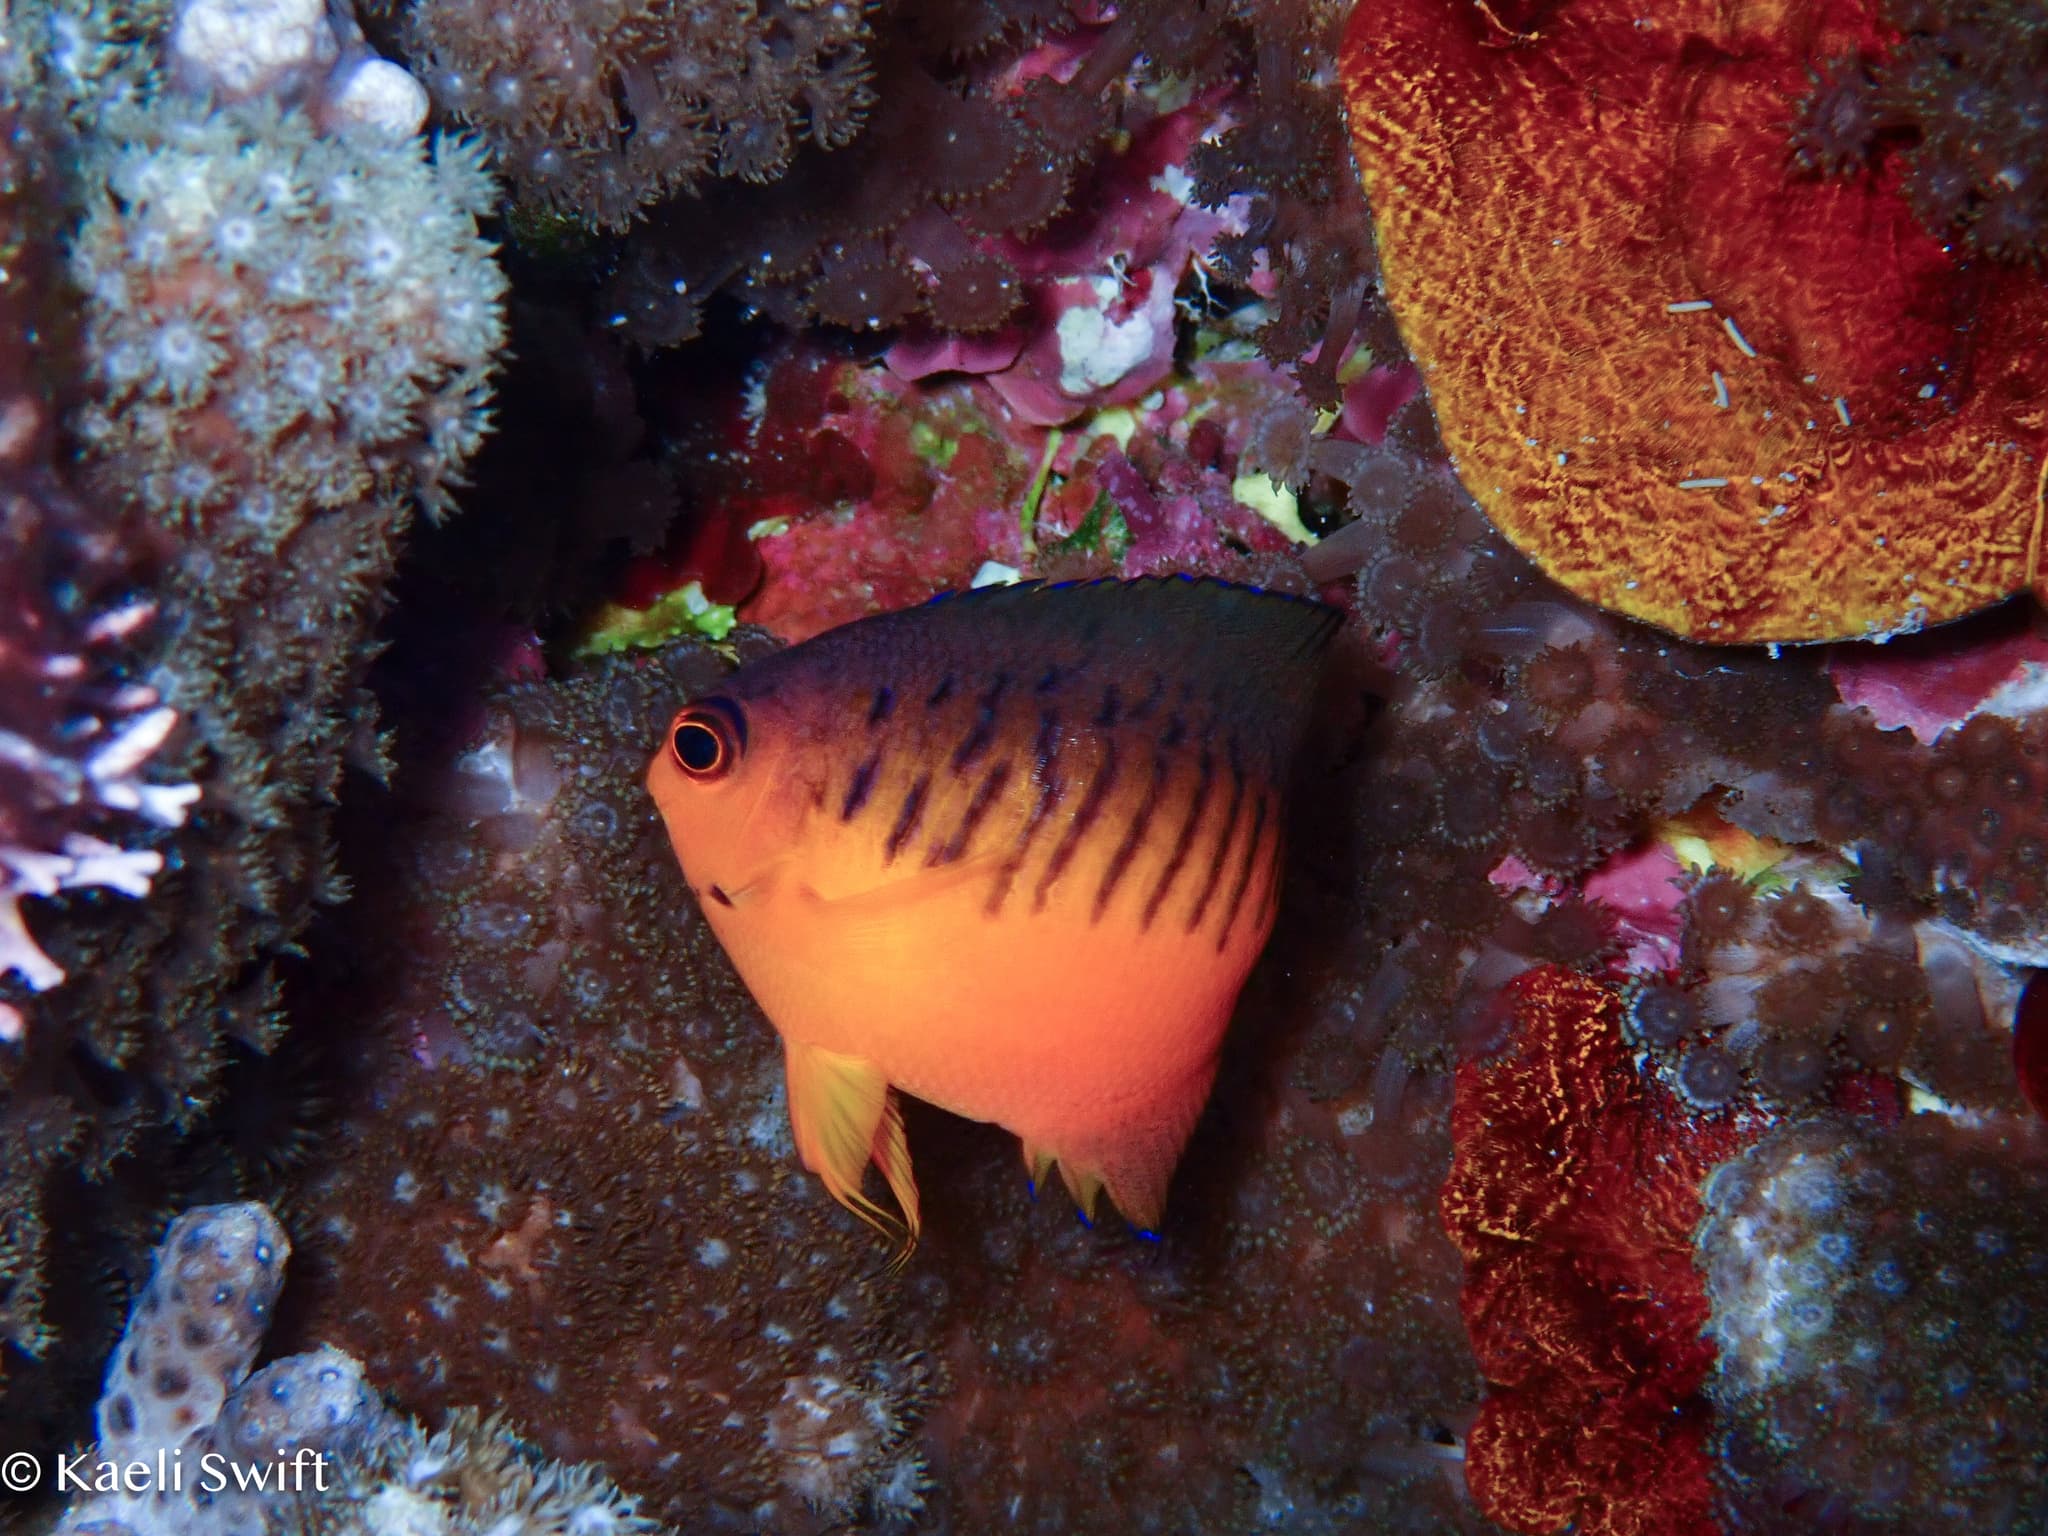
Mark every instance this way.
x=718 y=895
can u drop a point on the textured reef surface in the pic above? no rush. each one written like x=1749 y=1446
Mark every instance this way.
x=1634 y=1125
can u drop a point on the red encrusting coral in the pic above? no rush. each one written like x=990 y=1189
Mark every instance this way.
x=1573 y=1193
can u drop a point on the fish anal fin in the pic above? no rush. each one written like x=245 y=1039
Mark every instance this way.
x=1140 y=1195
x=1037 y=1165
x=1131 y=1160
x=1084 y=1184
x=843 y=1117
x=1138 y=1191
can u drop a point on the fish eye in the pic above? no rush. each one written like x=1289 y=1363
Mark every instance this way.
x=705 y=739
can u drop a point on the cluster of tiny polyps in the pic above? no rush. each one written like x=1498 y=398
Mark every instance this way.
x=1782 y=992
x=1880 y=1304
x=280 y=320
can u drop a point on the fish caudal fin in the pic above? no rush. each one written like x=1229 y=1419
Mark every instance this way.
x=844 y=1116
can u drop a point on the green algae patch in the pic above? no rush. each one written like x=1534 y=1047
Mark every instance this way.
x=683 y=613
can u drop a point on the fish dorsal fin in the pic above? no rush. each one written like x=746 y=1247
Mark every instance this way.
x=843 y=1115
x=1254 y=651
x=1250 y=656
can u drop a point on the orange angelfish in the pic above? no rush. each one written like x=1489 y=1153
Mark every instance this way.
x=1013 y=852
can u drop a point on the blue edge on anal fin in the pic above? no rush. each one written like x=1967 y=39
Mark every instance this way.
x=1145 y=1233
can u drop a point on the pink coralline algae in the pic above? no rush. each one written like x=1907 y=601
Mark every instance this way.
x=858 y=491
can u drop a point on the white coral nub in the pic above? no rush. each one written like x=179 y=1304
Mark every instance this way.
x=233 y=50
x=375 y=94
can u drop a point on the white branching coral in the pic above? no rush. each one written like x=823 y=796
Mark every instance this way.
x=76 y=741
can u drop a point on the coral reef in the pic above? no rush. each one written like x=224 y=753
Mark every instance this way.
x=1538 y=770
x=1787 y=989
x=293 y=53
x=987 y=124
x=304 y=1444
x=79 y=791
x=311 y=325
x=859 y=491
x=1803 y=423
x=1968 y=843
x=76 y=737
x=600 y=111
x=567 y=1158
x=305 y=362
x=1576 y=910
x=280 y=341
x=1879 y=1314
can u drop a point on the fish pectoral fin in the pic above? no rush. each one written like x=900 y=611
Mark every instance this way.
x=843 y=1116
